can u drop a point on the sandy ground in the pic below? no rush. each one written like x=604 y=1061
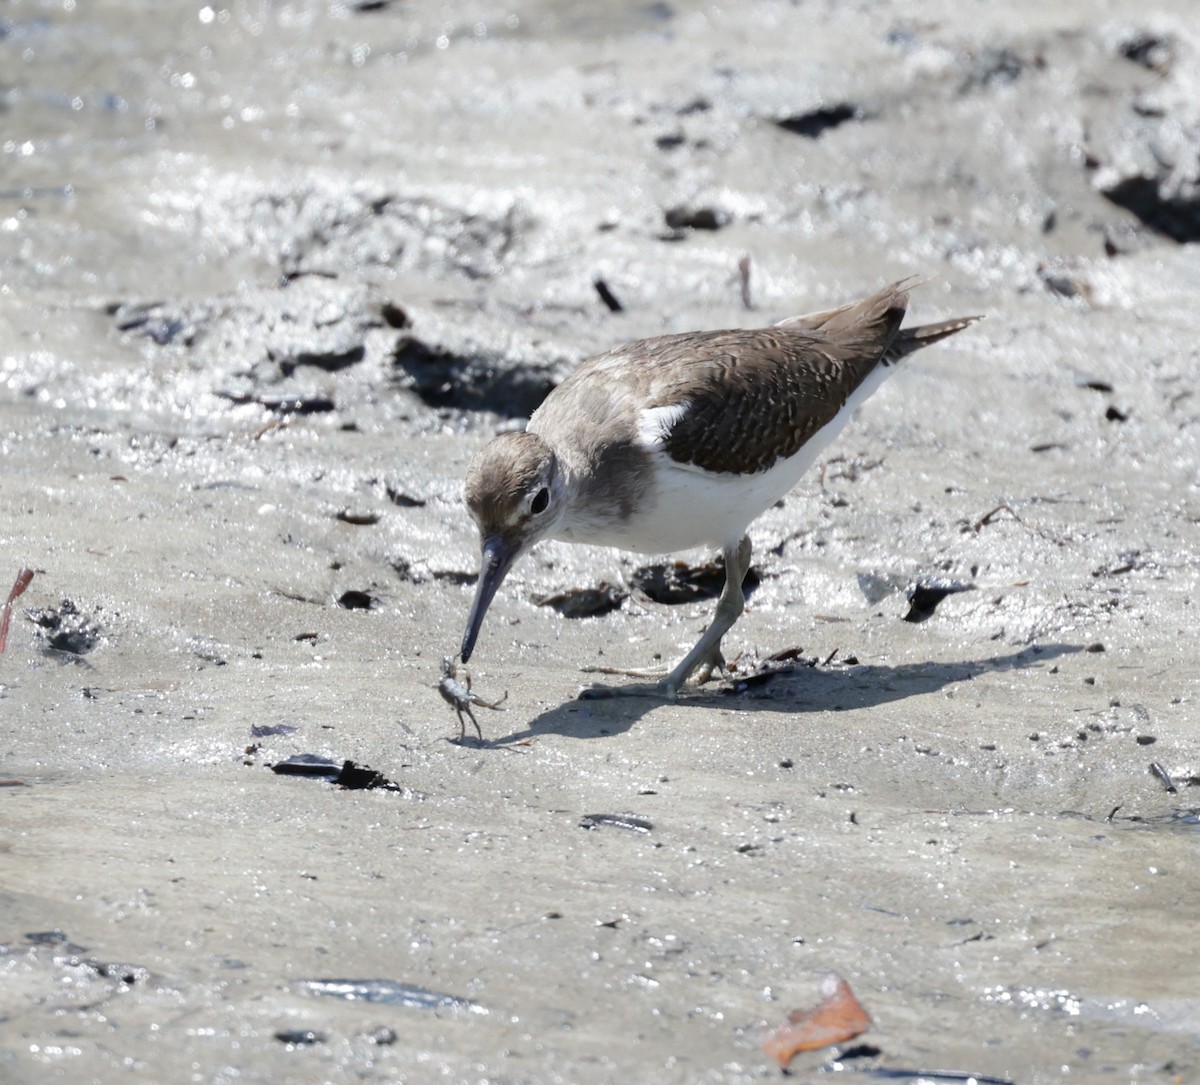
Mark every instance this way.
x=269 y=274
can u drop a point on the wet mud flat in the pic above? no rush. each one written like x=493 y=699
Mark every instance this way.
x=269 y=275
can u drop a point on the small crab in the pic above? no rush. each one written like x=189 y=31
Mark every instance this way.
x=457 y=694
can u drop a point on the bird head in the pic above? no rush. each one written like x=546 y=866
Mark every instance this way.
x=514 y=490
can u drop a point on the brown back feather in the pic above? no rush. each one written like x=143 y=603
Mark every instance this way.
x=797 y=374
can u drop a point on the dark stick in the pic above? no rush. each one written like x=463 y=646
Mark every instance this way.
x=607 y=296
x=1165 y=777
x=744 y=278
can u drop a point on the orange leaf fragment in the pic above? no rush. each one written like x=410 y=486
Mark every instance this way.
x=22 y=582
x=839 y=1017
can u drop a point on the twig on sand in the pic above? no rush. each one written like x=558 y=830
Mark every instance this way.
x=744 y=280
x=607 y=296
x=1164 y=777
x=989 y=517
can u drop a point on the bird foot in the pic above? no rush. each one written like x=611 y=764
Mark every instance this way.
x=623 y=673
x=707 y=667
x=656 y=690
x=665 y=685
x=655 y=687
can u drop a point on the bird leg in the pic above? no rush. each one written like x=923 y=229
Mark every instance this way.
x=698 y=665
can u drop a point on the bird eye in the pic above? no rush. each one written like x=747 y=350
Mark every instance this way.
x=540 y=500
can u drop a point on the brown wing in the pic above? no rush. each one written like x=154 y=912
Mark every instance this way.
x=760 y=396
x=756 y=396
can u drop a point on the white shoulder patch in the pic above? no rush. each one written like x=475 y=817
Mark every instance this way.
x=655 y=423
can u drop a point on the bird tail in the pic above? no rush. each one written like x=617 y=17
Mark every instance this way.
x=877 y=320
x=909 y=340
x=885 y=307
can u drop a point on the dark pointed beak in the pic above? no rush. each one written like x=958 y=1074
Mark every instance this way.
x=498 y=557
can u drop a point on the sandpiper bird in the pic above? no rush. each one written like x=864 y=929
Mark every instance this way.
x=669 y=443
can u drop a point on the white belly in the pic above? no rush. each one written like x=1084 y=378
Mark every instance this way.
x=689 y=507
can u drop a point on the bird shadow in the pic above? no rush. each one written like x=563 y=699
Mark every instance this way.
x=799 y=690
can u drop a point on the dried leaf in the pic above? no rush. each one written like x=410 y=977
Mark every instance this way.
x=838 y=1018
x=22 y=582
